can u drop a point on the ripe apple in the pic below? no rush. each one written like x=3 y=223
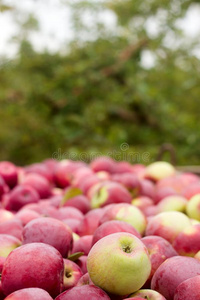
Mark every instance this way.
x=33 y=265
x=159 y=250
x=20 y=196
x=113 y=226
x=188 y=241
x=5 y=215
x=85 y=279
x=147 y=294
x=69 y=213
x=127 y=213
x=103 y=163
x=49 y=231
x=9 y=173
x=26 y=215
x=119 y=263
x=193 y=207
x=172 y=272
x=41 y=169
x=12 y=227
x=110 y=192
x=7 y=244
x=82 y=292
x=80 y=202
x=191 y=190
x=188 y=289
x=159 y=170
x=90 y=222
x=167 y=225
x=83 y=244
x=72 y=274
x=82 y=263
x=29 y=294
x=39 y=183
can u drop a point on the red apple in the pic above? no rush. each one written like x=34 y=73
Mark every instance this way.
x=33 y=265
x=41 y=169
x=85 y=279
x=103 y=163
x=159 y=250
x=26 y=215
x=9 y=173
x=188 y=289
x=83 y=244
x=80 y=202
x=12 y=227
x=172 y=272
x=72 y=274
x=29 y=294
x=188 y=241
x=82 y=263
x=90 y=222
x=119 y=263
x=39 y=183
x=7 y=244
x=20 y=196
x=113 y=226
x=49 y=231
x=69 y=213
x=82 y=292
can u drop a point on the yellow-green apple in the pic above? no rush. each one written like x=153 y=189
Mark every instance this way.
x=103 y=163
x=172 y=272
x=188 y=241
x=82 y=292
x=188 y=289
x=159 y=250
x=29 y=294
x=7 y=244
x=127 y=213
x=33 y=265
x=12 y=227
x=113 y=226
x=20 y=196
x=110 y=192
x=49 y=231
x=193 y=207
x=167 y=225
x=72 y=274
x=83 y=244
x=9 y=173
x=147 y=294
x=119 y=263
x=159 y=170
x=90 y=222
x=172 y=203
x=39 y=183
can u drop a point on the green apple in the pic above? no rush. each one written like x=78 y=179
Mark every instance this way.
x=159 y=170
x=119 y=263
x=147 y=294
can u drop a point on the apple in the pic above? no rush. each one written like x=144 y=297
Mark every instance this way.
x=119 y=263
x=103 y=163
x=191 y=190
x=113 y=226
x=85 y=279
x=82 y=292
x=7 y=244
x=193 y=207
x=26 y=215
x=72 y=274
x=90 y=222
x=127 y=213
x=147 y=294
x=3 y=187
x=188 y=289
x=188 y=241
x=69 y=212
x=82 y=263
x=33 y=265
x=167 y=225
x=39 y=183
x=80 y=202
x=197 y=255
x=159 y=250
x=172 y=203
x=172 y=272
x=20 y=196
x=73 y=224
x=123 y=167
x=9 y=173
x=41 y=169
x=159 y=170
x=83 y=244
x=5 y=215
x=49 y=231
x=12 y=227
x=29 y=294
x=110 y=192
x=142 y=202
x=129 y=180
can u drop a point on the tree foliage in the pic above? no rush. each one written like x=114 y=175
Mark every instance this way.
x=100 y=94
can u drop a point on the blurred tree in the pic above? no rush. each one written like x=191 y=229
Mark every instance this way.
x=101 y=93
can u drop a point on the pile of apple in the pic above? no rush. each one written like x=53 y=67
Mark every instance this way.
x=104 y=230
